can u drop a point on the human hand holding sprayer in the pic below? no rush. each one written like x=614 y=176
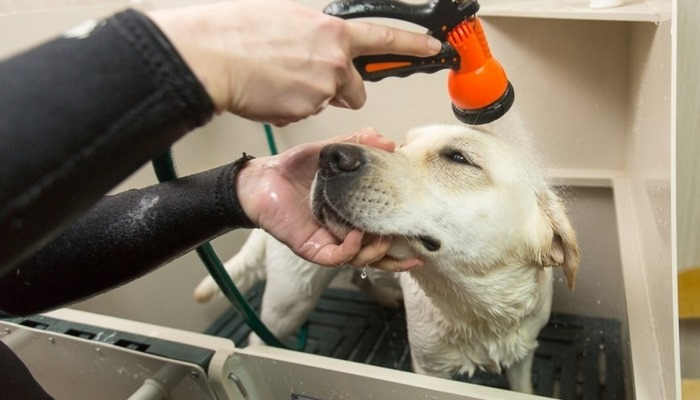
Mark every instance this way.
x=277 y=61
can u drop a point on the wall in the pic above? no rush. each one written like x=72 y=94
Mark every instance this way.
x=688 y=169
x=688 y=138
x=648 y=166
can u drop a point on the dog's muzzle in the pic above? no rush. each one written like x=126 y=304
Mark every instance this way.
x=340 y=165
x=339 y=198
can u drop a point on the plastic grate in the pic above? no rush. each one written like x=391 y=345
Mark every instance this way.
x=577 y=358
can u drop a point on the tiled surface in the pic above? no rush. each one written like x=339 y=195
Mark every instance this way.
x=577 y=358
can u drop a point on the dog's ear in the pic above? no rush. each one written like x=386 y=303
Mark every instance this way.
x=562 y=248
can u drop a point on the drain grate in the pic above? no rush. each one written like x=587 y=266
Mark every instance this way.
x=577 y=358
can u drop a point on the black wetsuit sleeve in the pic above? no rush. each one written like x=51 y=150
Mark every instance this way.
x=123 y=237
x=78 y=115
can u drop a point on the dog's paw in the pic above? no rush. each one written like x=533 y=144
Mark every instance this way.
x=206 y=290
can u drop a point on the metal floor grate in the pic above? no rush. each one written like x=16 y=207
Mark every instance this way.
x=577 y=358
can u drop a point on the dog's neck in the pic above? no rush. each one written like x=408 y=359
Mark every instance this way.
x=497 y=300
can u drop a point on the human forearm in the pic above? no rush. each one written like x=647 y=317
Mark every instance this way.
x=123 y=237
x=79 y=114
x=278 y=61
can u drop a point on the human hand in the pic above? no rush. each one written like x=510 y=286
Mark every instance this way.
x=274 y=193
x=277 y=61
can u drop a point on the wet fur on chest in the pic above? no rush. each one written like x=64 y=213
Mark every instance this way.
x=480 y=322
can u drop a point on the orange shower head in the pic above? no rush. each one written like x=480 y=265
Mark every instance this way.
x=479 y=88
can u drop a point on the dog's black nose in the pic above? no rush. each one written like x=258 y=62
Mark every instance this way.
x=341 y=158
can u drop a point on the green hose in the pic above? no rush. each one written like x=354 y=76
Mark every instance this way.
x=165 y=170
x=270 y=139
x=164 y=167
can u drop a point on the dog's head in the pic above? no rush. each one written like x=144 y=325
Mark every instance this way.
x=449 y=194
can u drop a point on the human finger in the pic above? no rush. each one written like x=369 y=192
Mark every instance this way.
x=364 y=136
x=294 y=159
x=335 y=255
x=390 y=264
x=373 y=251
x=371 y=137
x=351 y=93
x=368 y=39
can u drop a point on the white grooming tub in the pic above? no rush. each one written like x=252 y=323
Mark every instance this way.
x=595 y=89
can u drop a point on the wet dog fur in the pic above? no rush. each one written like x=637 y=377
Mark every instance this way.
x=476 y=209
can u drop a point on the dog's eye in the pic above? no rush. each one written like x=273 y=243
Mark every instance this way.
x=458 y=157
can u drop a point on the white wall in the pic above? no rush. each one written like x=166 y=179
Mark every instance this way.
x=688 y=169
x=688 y=134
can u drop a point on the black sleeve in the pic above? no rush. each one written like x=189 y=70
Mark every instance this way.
x=78 y=115
x=123 y=237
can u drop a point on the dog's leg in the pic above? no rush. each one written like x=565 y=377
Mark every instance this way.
x=417 y=368
x=245 y=268
x=520 y=374
x=381 y=286
x=292 y=290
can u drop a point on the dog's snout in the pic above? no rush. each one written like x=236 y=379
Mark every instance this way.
x=341 y=158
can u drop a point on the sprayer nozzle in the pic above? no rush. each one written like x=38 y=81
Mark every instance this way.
x=489 y=113
x=479 y=89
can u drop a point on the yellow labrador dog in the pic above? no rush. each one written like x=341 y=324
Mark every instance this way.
x=480 y=214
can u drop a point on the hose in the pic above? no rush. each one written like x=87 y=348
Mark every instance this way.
x=165 y=170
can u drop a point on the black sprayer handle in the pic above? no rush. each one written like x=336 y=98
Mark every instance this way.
x=438 y=16
x=375 y=68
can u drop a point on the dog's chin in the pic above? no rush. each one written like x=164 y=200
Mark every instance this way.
x=328 y=217
x=334 y=218
x=340 y=226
